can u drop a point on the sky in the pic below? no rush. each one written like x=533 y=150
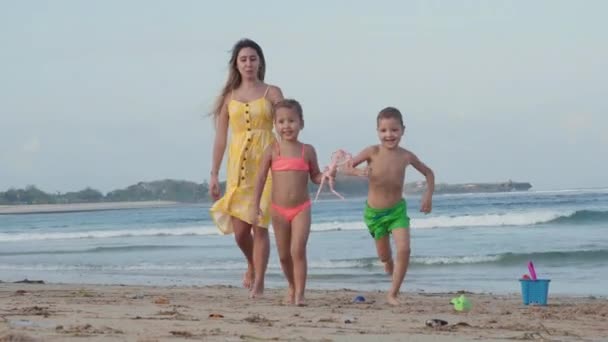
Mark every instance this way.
x=110 y=93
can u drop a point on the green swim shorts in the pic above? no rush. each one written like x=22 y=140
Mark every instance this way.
x=381 y=222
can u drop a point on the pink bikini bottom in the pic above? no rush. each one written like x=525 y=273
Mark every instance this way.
x=290 y=213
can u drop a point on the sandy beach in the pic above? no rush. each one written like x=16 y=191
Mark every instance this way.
x=76 y=207
x=51 y=312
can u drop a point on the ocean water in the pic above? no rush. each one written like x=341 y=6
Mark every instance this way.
x=474 y=242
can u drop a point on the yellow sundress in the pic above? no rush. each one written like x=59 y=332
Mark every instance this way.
x=251 y=132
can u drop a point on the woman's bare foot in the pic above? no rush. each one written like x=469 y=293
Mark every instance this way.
x=257 y=290
x=392 y=300
x=248 y=277
x=290 y=297
x=300 y=301
x=255 y=294
x=389 y=266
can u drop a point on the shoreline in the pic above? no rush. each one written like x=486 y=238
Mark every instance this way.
x=61 y=312
x=23 y=209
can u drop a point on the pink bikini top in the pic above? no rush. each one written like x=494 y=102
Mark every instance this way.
x=289 y=163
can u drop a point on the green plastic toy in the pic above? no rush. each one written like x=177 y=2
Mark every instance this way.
x=461 y=303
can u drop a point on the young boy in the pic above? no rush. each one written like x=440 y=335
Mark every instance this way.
x=386 y=209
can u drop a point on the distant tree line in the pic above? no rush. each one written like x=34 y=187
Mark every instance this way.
x=162 y=190
x=190 y=192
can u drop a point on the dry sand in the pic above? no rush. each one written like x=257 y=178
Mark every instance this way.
x=52 y=312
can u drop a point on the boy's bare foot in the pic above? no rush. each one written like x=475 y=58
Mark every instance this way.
x=389 y=266
x=248 y=277
x=392 y=300
x=290 y=297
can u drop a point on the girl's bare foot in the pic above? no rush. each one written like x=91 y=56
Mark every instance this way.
x=392 y=300
x=248 y=277
x=389 y=266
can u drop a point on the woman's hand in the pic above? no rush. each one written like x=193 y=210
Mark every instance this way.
x=256 y=215
x=214 y=188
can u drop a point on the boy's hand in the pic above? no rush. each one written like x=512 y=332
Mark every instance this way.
x=353 y=171
x=426 y=205
x=364 y=172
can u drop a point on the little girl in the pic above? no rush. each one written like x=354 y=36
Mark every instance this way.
x=291 y=163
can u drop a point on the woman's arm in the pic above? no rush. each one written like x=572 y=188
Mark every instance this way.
x=219 y=144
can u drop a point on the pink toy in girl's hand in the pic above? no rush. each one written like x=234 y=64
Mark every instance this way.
x=338 y=158
x=532 y=271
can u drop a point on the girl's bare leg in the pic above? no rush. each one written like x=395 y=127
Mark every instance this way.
x=300 y=230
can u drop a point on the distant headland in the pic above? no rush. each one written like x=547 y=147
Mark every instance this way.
x=507 y=186
x=180 y=191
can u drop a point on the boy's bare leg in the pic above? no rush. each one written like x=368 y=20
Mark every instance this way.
x=261 y=251
x=383 y=247
x=402 y=244
x=300 y=230
x=282 y=234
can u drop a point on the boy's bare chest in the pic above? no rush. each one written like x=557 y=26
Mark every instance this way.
x=387 y=169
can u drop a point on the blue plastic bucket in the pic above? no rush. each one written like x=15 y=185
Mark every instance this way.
x=534 y=291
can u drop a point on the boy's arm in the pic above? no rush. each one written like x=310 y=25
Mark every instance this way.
x=364 y=156
x=426 y=204
x=261 y=178
x=315 y=173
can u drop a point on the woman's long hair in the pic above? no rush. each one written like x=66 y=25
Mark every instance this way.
x=234 y=76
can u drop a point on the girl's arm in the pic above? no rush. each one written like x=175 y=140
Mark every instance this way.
x=315 y=173
x=261 y=178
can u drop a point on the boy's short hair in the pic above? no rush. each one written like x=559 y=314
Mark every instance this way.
x=289 y=104
x=390 y=113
